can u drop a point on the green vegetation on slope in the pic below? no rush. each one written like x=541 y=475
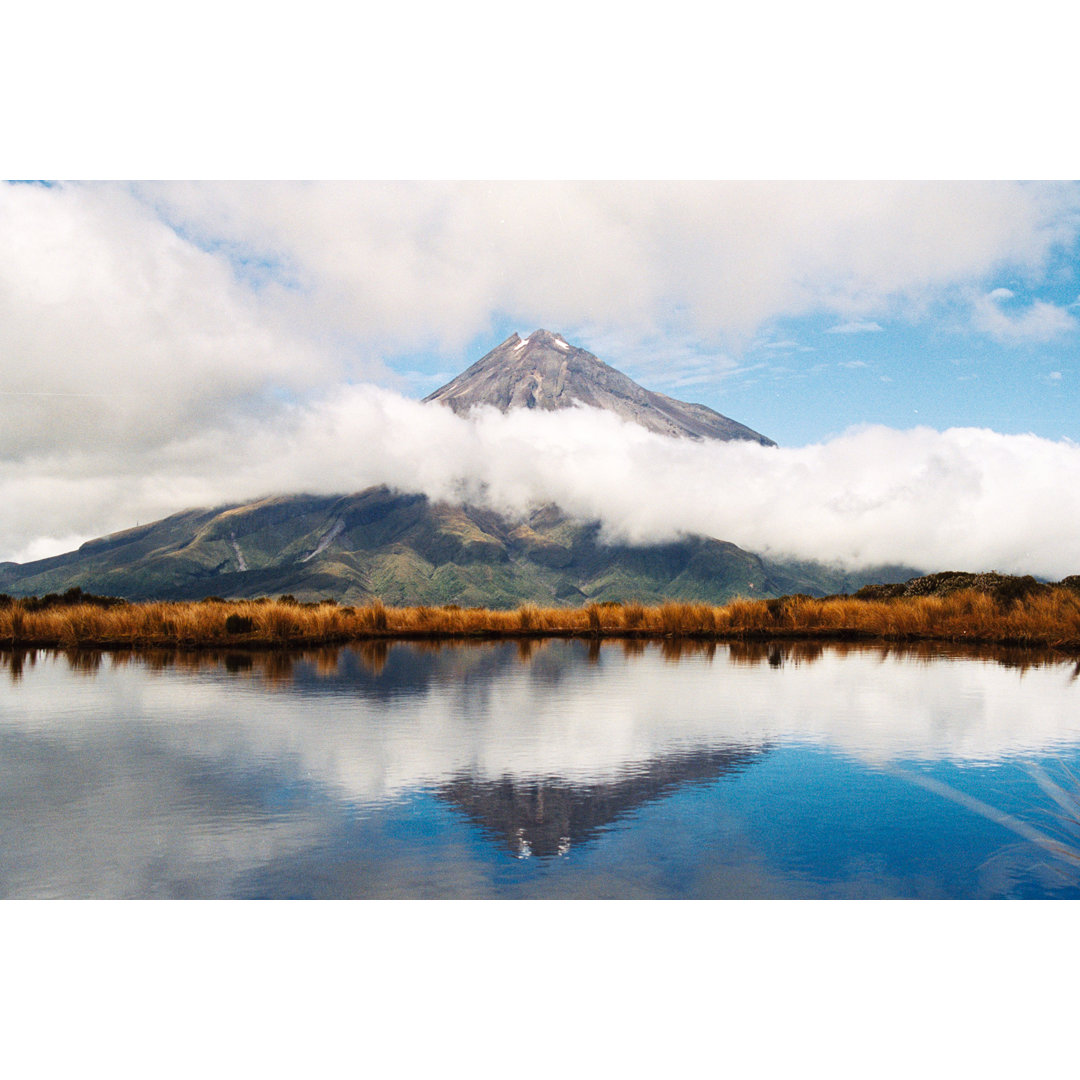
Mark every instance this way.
x=404 y=549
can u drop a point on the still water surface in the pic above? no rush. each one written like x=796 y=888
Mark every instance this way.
x=548 y=770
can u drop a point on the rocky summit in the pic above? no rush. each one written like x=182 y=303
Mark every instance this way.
x=544 y=371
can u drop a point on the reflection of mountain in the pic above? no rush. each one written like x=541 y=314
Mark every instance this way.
x=549 y=816
x=384 y=671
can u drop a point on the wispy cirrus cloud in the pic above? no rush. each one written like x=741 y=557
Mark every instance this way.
x=855 y=328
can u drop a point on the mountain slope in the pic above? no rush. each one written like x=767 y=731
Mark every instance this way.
x=407 y=550
x=543 y=371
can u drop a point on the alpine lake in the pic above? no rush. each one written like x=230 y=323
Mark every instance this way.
x=541 y=769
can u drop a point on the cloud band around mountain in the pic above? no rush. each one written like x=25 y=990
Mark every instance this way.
x=959 y=499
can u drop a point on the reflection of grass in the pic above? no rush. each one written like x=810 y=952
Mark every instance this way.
x=1068 y=817
x=1063 y=842
x=1048 y=617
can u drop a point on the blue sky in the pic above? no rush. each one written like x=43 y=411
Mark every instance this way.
x=938 y=372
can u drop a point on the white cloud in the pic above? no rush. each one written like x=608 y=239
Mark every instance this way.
x=409 y=264
x=115 y=331
x=1039 y=321
x=44 y=547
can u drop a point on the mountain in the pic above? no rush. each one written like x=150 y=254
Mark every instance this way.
x=405 y=549
x=543 y=371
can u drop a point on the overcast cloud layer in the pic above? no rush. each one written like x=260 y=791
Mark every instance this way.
x=165 y=346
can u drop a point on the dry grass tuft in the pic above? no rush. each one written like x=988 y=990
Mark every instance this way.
x=1047 y=617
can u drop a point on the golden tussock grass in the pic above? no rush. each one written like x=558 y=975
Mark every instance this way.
x=1051 y=617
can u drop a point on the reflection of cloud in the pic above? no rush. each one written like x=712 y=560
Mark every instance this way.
x=606 y=718
x=111 y=812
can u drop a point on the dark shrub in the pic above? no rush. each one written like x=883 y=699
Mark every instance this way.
x=1013 y=589
x=73 y=597
x=880 y=592
x=239 y=624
